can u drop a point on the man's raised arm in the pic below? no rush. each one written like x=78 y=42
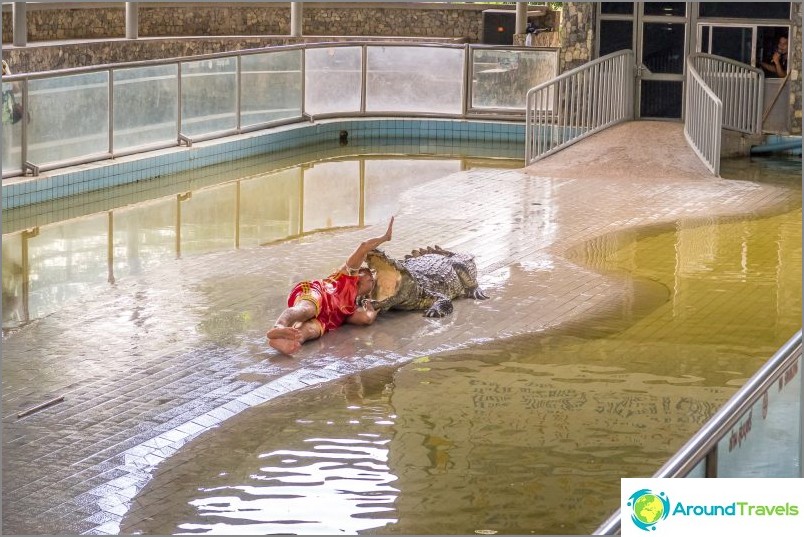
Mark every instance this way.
x=359 y=255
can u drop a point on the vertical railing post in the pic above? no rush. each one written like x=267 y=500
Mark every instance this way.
x=111 y=110
x=239 y=93
x=466 y=89
x=26 y=103
x=178 y=101
x=363 y=77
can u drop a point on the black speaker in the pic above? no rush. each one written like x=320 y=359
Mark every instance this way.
x=498 y=26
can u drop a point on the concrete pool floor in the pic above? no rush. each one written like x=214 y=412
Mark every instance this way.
x=158 y=359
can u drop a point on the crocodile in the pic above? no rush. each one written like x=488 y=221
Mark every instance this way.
x=426 y=279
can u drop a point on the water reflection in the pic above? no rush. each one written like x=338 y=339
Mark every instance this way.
x=47 y=265
x=529 y=435
x=328 y=476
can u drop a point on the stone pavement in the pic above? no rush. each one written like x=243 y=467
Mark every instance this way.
x=163 y=357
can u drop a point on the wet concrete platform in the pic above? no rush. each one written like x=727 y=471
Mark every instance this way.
x=164 y=357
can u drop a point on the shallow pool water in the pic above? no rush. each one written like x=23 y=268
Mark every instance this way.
x=525 y=436
x=57 y=251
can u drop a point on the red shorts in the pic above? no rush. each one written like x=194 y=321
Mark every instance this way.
x=333 y=298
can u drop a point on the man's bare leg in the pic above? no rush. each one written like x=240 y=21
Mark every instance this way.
x=286 y=336
x=305 y=332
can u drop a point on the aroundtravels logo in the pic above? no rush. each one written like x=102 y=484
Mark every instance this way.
x=648 y=508
x=705 y=506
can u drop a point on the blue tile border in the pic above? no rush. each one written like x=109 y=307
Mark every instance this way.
x=144 y=166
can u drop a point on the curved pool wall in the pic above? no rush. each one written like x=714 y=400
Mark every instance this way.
x=430 y=133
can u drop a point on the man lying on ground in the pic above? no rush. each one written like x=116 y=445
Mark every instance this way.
x=318 y=306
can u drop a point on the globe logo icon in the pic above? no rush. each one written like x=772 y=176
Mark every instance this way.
x=648 y=508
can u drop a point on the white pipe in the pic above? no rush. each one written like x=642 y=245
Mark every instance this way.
x=521 y=23
x=296 y=9
x=19 y=15
x=132 y=20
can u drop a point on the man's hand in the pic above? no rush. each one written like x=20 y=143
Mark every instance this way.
x=357 y=258
x=388 y=232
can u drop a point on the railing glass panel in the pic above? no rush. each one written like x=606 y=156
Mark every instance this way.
x=333 y=78
x=699 y=470
x=12 y=132
x=146 y=106
x=271 y=87
x=765 y=442
x=502 y=78
x=69 y=117
x=208 y=96
x=414 y=79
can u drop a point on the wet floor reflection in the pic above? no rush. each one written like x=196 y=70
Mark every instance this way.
x=46 y=266
x=525 y=436
x=329 y=475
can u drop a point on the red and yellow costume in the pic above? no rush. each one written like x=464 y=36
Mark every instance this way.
x=334 y=298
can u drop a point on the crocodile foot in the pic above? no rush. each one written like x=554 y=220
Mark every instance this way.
x=476 y=293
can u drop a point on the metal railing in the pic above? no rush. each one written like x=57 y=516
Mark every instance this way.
x=579 y=103
x=703 y=120
x=739 y=86
x=702 y=448
x=88 y=114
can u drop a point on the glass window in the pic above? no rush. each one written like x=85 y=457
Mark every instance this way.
x=772 y=50
x=745 y=10
x=732 y=42
x=676 y=9
x=660 y=98
x=663 y=47
x=704 y=44
x=617 y=8
x=615 y=35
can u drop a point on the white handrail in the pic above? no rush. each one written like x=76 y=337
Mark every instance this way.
x=702 y=444
x=579 y=103
x=703 y=120
x=739 y=86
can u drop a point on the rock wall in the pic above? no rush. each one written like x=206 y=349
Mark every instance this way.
x=576 y=34
x=794 y=63
x=104 y=21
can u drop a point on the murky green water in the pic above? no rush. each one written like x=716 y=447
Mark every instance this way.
x=525 y=436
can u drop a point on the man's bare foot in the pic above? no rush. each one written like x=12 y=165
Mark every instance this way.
x=284 y=332
x=285 y=346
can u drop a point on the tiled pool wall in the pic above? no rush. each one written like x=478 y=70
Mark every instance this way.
x=144 y=166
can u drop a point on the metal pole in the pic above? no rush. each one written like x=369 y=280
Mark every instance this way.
x=132 y=20
x=296 y=19
x=521 y=24
x=19 y=15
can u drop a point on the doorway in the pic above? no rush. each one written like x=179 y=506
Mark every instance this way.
x=657 y=32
